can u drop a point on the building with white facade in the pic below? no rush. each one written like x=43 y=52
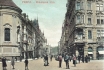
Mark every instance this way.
x=18 y=35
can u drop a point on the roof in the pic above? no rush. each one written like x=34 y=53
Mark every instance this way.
x=8 y=3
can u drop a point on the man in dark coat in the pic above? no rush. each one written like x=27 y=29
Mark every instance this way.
x=83 y=58
x=86 y=59
x=79 y=58
x=66 y=59
x=60 y=60
x=46 y=60
x=4 y=65
x=26 y=64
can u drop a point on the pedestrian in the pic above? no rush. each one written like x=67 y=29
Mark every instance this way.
x=51 y=57
x=70 y=58
x=86 y=59
x=60 y=60
x=83 y=58
x=26 y=64
x=79 y=58
x=4 y=65
x=46 y=60
x=74 y=60
x=13 y=62
x=67 y=61
x=16 y=58
x=89 y=58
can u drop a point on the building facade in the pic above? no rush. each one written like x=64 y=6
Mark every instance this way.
x=40 y=42
x=85 y=22
x=19 y=36
x=9 y=19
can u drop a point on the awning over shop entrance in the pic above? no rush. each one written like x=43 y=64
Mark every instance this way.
x=90 y=52
x=101 y=52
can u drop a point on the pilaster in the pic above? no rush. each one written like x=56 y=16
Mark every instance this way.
x=94 y=51
x=85 y=50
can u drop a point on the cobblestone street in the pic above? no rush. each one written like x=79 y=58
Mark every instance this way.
x=53 y=65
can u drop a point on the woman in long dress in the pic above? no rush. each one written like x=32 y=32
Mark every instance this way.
x=74 y=60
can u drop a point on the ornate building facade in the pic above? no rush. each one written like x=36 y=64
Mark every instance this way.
x=19 y=36
x=85 y=22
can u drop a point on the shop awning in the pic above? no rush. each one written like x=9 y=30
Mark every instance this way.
x=90 y=52
x=101 y=52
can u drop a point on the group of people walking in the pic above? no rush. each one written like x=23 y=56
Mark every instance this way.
x=4 y=64
x=66 y=57
x=75 y=59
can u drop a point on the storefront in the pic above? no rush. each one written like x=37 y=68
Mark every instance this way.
x=90 y=52
x=100 y=52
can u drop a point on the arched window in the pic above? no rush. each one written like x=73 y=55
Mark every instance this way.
x=100 y=48
x=90 y=49
x=7 y=34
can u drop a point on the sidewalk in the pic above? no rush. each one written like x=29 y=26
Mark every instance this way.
x=54 y=65
x=22 y=60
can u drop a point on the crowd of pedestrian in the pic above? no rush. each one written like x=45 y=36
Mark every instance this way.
x=67 y=59
x=75 y=59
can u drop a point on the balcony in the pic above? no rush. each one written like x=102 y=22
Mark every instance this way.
x=99 y=12
x=89 y=11
x=100 y=40
x=79 y=41
x=80 y=11
x=80 y=24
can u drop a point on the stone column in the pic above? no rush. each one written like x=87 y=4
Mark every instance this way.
x=33 y=54
x=24 y=55
x=77 y=53
x=94 y=52
x=85 y=50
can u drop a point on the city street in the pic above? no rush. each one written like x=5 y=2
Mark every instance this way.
x=53 y=65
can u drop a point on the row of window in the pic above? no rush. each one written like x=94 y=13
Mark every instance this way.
x=99 y=7
x=7 y=35
x=80 y=19
x=100 y=34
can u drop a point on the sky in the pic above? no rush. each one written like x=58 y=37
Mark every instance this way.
x=50 y=14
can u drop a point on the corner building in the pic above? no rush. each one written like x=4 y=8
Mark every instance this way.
x=9 y=19
x=17 y=32
x=85 y=22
